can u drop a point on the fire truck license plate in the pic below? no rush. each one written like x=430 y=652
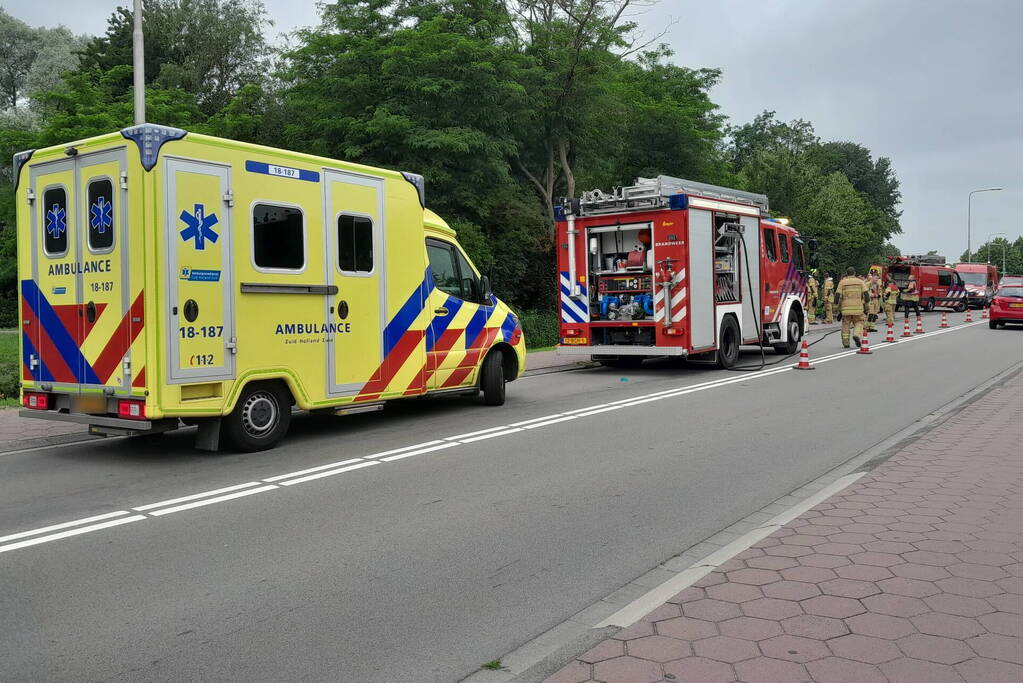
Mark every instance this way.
x=574 y=340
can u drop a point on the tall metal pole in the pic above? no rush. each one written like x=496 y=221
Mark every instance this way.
x=139 y=66
x=969 y=211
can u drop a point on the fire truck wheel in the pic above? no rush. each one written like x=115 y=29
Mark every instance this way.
x=260 y=418
x=929 y=305
x=492 y=379
x=795 y=334
x=728 y=342
x=960 y=307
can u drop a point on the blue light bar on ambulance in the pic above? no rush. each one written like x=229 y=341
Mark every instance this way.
x=20 y=159
x=419 y=183
x=678 y=202
x=150 y=137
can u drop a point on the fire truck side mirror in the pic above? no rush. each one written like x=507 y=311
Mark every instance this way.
x=814 y=258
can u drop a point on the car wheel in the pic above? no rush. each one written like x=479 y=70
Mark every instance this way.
x=992 y=324
x=794 y=325
x=728 y=343
x=260 y=419
x=492 y=380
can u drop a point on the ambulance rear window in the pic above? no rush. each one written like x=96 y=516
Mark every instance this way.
x=101 y=215
x=55 y=221
x=278 y=237
x=354 y=243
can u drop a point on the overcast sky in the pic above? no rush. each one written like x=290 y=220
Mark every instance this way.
x=932 y=84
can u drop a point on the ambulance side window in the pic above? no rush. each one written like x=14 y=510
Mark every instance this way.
x=278 y=237
x=471 y=288
x=783 y=244
x=101 y=215
x=55 y=221
x=769 y=244
x=354 y=243
x=444 y=267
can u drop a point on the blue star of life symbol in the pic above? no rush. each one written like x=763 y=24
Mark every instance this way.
x=101 y=215
x=56 y=221
x=200 y=226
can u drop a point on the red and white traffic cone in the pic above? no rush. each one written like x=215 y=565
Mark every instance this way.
x=865 y=344
x=804 y=359
x=890 y=337
x=905 y=329
x=983 y=313
x=919 y=325
x=944 y=319
x=969 y=315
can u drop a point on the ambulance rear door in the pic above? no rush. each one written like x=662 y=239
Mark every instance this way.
x=200 y=330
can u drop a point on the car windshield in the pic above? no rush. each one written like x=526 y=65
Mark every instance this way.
x=1011 y=291
x=974 y=278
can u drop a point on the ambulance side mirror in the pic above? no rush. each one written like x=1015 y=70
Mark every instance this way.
x=485 y=284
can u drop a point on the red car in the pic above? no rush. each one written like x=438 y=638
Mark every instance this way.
x=1006 y=306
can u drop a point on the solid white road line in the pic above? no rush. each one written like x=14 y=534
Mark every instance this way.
x=329 y=473
x=211 y=501
x=299 y=473
x=68 y=534
x=64 y=525
x=657 y=596
x=330 y=469
x=194 y=496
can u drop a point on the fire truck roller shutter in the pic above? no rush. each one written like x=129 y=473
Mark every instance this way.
x=703 y=321
x=752 y=313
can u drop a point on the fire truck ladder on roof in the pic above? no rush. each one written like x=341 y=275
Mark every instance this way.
x=653 y=193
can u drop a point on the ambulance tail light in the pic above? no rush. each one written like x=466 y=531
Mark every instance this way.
x=36 y=400
x=131 y=410
x=573 y=332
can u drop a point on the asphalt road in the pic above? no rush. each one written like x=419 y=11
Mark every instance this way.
x=422 y=568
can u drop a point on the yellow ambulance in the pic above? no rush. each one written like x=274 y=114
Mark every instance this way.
x=169 y=277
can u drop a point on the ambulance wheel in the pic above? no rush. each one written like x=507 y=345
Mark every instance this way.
x=795 y=334
x=728 y=342
x=492 y=380
x=260 y=418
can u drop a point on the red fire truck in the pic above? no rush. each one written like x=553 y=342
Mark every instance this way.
x=940 y=286
x=671 y=267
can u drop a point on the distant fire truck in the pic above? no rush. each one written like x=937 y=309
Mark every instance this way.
x=938 y=284
x=671 y=267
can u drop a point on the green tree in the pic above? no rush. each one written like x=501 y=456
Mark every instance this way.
x=19 y=44
x=209 y=48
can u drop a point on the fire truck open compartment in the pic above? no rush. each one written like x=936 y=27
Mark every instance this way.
x=621 y=266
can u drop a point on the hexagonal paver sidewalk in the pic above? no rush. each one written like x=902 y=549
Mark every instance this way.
x=913 y=573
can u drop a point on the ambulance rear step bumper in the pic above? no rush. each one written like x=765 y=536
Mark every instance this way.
x=103 y=425
x=613 y=351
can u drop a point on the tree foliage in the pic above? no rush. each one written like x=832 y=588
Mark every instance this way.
x=503 y=105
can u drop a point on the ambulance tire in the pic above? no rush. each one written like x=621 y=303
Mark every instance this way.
x=728 y=342
x=492 y=380
x=260 y=418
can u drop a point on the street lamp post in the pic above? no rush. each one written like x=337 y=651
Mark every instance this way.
x=969 y=211
x=994 y=234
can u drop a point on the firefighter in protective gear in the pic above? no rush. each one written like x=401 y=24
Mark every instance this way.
x=891 y=298
x=911 y=296
x=811 y=297
x=874 y=300
x=829 y=299
x=853 y=297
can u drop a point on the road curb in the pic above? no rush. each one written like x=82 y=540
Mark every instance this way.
x=546 y=654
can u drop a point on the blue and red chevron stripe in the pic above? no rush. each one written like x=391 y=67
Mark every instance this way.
x=57 y=349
